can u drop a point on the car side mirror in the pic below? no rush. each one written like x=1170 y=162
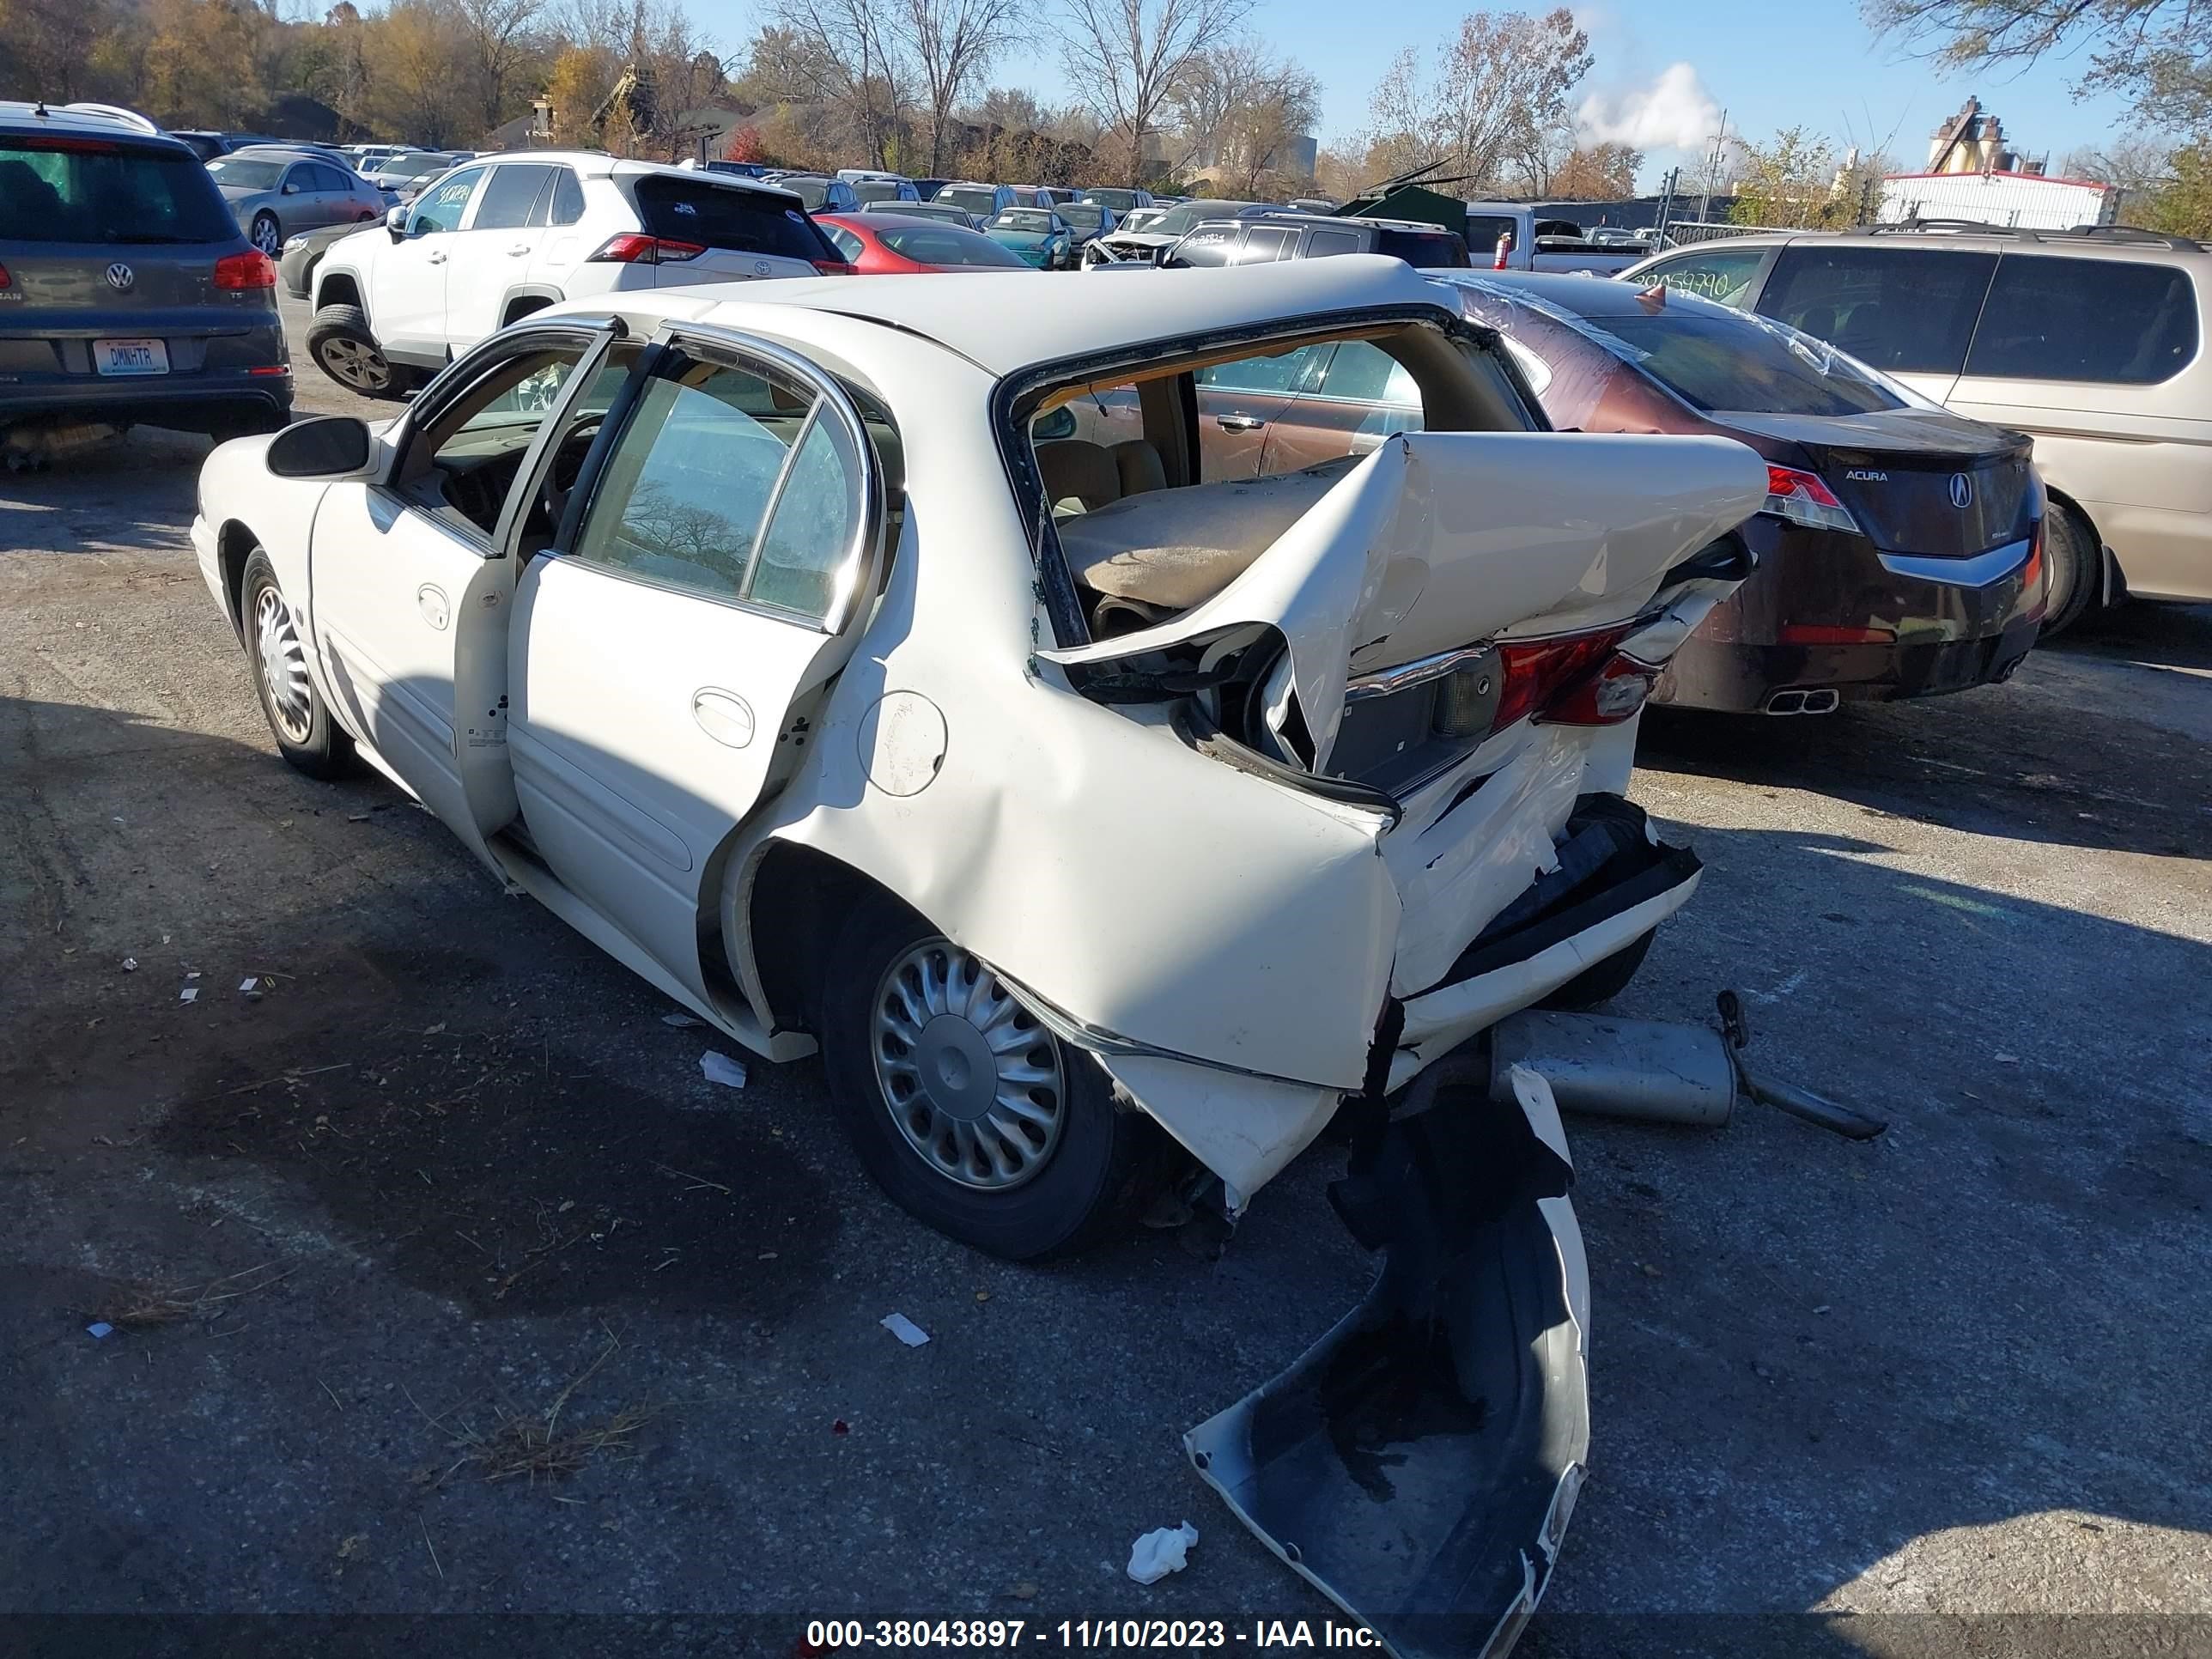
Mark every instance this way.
x=291 y=189
x=329 y=447
x=395 y=220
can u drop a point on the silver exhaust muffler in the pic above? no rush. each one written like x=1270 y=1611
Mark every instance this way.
x=1642 y=1069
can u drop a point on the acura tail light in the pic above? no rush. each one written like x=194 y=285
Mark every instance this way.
x=250 y=270
x=636 y=248
x=1805 y=498
x=1577 y=679
x=2030 y=573
x=833 y=268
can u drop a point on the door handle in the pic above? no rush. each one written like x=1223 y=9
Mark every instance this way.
x=435 y=260
x=518 y=250
x=1239 y=422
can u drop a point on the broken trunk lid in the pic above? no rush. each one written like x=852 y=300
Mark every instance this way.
x=1438 y=539
x=1418 y=1464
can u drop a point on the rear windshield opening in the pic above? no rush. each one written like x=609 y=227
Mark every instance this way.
x=106 y=192
x=949 y=245
x=1155 y=515
x=720 y=216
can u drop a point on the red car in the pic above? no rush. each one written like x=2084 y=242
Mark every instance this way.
x=886 y=245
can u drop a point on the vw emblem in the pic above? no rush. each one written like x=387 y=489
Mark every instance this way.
x=120 y=277
x=1962 y=491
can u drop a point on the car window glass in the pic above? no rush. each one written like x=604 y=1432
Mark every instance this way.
x=1483 y=230
x=509 y=194
x=123 y=195
x=1362 y=372
x=804 y=551
x=1724 y=362
x=843 y=239
x=948 y=245
x=1211 y=246
x=1322 y=243
x=1282 y=373
x=711 y=212
x=440 y=208
x=1534 y=369
x=1263 y=244
x=1424 y=250
x=1895 y=307
x=1724 y=275
x=2106 y=320
x=568 y=198
x=465 y=457
x=687 y=485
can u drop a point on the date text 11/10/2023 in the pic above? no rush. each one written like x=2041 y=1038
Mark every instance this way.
x=826 y=1636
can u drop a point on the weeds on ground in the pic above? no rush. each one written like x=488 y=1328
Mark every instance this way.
x=142 y=1305
x=533 y=1444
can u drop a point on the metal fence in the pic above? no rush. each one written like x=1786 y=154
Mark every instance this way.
x=1683 y=231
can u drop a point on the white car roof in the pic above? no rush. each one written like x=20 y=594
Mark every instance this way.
x=597 y=164
x=1010 y=320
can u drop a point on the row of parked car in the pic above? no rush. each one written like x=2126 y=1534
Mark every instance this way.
x=1831 y=354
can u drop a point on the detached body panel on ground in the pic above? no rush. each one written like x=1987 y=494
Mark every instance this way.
x=784 y=644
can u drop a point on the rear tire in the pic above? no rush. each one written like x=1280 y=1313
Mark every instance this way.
x=307 y=736
x=344 y=348
x=1601 y=981
x=2074 y=569
x=1083 y=1166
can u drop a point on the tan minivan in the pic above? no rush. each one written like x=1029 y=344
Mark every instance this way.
x=2091 y=341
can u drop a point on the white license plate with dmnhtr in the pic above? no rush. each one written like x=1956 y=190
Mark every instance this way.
x=130 y=356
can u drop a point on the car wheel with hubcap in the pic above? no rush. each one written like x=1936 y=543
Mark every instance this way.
x=267 y=234
x=306 y=734
x=960 y=1103
x=339 y=341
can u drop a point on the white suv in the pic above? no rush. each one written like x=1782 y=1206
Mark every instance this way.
x=500 y=238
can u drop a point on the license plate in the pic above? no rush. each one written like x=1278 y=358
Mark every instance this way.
x=130 y=356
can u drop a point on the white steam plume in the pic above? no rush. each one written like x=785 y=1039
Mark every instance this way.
x=1675 y=111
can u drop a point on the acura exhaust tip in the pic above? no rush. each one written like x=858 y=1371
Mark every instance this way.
x=1823 y=700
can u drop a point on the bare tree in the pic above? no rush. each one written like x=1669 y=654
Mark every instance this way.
x=1124 y=58
x=497 y=32
x=1237 y=110
x=951 y=43
x=854 y=47
x=1499 y=84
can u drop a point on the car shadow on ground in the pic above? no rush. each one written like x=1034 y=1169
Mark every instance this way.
x=2001 y=760
x=448 y=1115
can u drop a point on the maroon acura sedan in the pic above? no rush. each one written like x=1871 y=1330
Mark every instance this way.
x=1900 y=548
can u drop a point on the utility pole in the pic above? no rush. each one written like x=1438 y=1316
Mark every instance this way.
x=1666 y=188
x=1712 y=167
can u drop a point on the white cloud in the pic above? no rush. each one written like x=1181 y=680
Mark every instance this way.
x=1675 y=111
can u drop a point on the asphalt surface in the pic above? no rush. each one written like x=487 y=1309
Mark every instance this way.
x=450 y=1171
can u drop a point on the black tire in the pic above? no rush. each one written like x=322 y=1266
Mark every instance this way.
x=340 y=341
x=314 y=745
x=2073 y=569
x=1601 y=981
x=266 y=234
x=1105 y=1162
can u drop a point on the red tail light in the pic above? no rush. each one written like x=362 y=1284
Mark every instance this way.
x=1805 y=498
x=6 y=281
x=252 y=269
x=634 y=248
x=2030 y=573
x=1577 y=679
x=834 y=268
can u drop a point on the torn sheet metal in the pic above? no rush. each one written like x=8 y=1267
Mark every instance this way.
x=1418 y=1465
x=1439 y=538
x=1245 y=1129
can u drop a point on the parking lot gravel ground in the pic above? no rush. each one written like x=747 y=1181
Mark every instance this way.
x=445 y=1284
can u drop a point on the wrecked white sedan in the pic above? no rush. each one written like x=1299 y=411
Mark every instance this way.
x=963 y=682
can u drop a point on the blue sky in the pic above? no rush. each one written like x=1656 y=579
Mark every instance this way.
x=1769 y=65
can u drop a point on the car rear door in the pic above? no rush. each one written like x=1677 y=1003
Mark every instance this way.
x=493 y=256
x=1238 y=404
x=411 y=569
x=1907 y=310
x=1346 y=406
x=718 y=558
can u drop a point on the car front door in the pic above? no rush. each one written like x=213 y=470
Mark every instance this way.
x=1360 y=396
x=409 y=285
x=716 y=562
x=1238 y=402
x=412 y=571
